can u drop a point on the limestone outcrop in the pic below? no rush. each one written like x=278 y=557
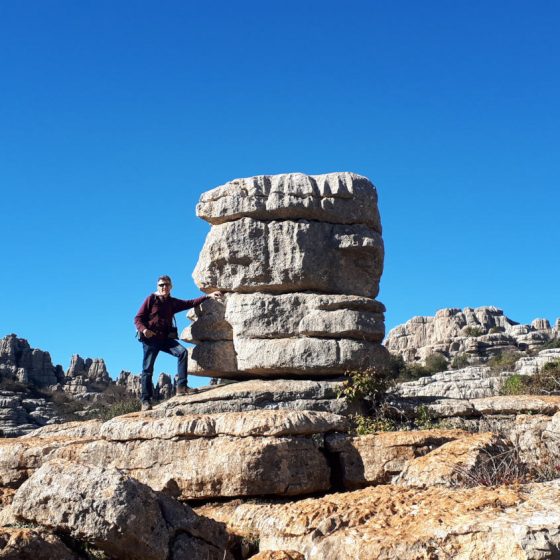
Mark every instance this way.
x=19 y=362
x=474 y=382
x=391 y=522
x=190 y=456
x=299 y=258
x=473 y=332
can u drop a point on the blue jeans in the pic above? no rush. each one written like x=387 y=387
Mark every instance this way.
x=152 y=348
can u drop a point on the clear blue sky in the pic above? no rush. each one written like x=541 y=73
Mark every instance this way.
x=116 y=115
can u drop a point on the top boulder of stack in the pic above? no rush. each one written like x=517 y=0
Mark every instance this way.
x=338 y=198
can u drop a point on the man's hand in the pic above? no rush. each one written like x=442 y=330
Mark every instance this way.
x=217 y=295
x=148 y=333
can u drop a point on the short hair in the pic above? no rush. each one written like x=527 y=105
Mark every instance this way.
x=165 y=278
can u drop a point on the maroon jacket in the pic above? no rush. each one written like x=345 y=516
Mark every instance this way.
x=156 y=313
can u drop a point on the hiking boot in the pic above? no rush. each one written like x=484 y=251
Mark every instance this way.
x=146 y=405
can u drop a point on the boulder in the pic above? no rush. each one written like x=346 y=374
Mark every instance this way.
x=298 y=357
x=341 y=198
x=116 y=514
x=282 y=256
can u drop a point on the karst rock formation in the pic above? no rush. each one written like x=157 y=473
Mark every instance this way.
x=299 y=258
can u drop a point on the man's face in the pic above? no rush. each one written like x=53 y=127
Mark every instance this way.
x=164 y=288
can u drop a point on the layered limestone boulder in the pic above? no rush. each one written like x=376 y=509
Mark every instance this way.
x=190 y=456
x=299 y=258
x=473 y=332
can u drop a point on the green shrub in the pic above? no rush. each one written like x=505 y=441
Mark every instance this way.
x=504 y=361
x=514 y=385
x=425 y=419
x=460 y=361
x=553 y=343
x=117 y=409
x=397 y=366
x=371 y=383
x=436 y=363
x=473 y=331
x=552 y=367
x=545 y=382
x=365 y=425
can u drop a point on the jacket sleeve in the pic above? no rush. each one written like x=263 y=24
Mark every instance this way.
x=141 y=319
x=182 y=304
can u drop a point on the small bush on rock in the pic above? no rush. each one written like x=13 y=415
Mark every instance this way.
x=497 y=467
x=117 y=409
x=553 y=343
x=504 y=361
x=371 y=384
x=473 y=331
x=460 y=361
x=436 y=363
x=514 y=385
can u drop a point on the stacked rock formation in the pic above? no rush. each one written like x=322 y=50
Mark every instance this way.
x=478 y=332
x=299 y=258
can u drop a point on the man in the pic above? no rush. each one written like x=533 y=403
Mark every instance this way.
x=155 y=324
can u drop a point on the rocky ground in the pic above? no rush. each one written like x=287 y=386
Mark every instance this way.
x=286 y=483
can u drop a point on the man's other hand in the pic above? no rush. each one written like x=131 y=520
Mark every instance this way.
x=217 y=295
x=148 y=333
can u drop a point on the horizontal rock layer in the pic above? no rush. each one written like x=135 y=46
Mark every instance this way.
x=191 y=456
x=260 y=315
x=291 y=256
x=276 y=358
x=342 y=198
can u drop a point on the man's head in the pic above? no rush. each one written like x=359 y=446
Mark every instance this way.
x=164 y=285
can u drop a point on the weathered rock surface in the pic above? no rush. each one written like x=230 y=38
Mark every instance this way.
x=377 y=458
x=476 y=332
x=20 y=413
x=388 y=522
x=291 y=256
x=269 y=316
x=255 y=394
x=278 y=555
x=341 y=198
x=469 y=460
x=276 y=358
x=474 y=382
x=32 y=544
x=117 y=514
x=263 y=452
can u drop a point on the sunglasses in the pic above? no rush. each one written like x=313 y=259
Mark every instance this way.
x=165 y=284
